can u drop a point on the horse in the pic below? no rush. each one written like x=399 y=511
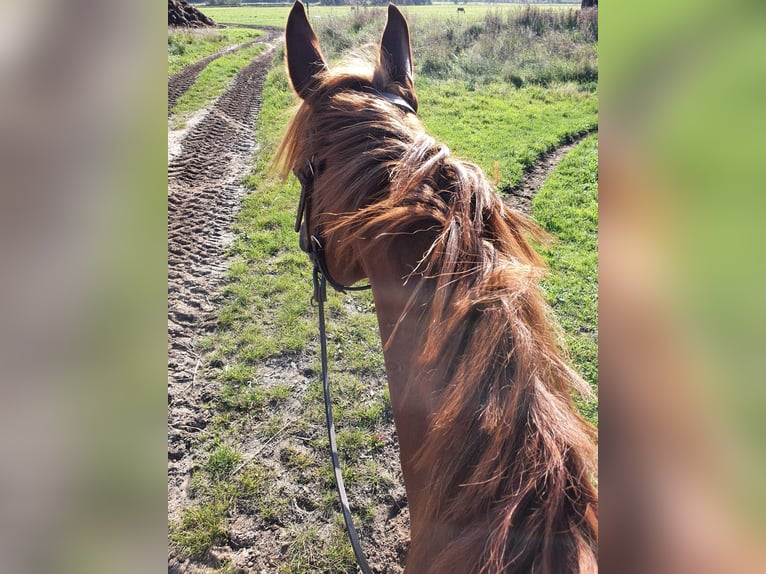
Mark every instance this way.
x=498 y=466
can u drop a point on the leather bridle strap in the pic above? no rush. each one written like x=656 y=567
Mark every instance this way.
x=320 y=295
x=313 y=245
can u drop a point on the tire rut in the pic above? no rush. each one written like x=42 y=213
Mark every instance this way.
x=520 y=196
x=182 y=80
x=204 y=197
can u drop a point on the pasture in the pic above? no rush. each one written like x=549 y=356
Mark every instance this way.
x=499 y=90
x=276 y=15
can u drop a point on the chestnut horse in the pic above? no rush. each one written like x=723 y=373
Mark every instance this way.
x=497 y=464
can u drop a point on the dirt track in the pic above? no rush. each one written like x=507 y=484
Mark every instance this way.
x=181 y=81
x=204 y=197
x=521 y=196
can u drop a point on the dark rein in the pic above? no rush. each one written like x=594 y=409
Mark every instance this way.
x=314 y=246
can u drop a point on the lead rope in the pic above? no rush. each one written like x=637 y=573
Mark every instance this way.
x=320 y=296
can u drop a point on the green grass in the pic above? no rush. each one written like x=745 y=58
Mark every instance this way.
x=222 y=484
x=567 y=207
x=186 y=47
x=277 y=15
x=504 y=126
x=310 y=551
x=213 y=81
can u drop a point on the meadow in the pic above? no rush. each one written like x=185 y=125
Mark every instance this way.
x=277 y=15
x=536 y=88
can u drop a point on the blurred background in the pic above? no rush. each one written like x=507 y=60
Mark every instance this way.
x=681 y=182
x=83 y=347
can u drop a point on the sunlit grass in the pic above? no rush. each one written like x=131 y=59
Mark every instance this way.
x=567 y=207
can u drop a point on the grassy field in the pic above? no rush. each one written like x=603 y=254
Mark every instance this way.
x=501 y=121
x=277 y=15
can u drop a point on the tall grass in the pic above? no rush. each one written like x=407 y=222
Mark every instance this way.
x=520 y=46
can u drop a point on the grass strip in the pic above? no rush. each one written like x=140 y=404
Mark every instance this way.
x=213 y=81
x=567 y=207
x=185 y=47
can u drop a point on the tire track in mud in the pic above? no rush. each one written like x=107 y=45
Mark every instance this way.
x=181 y=81
x=520 y=196
x=204 y=197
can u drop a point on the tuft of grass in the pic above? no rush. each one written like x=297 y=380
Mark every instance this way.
x=310 y=551
x=222 y=462
x=200 y=528
x=222 y=486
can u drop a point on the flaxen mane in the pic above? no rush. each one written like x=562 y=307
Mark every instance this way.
x=511 y=461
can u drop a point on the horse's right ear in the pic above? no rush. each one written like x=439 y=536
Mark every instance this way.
x=304 y=58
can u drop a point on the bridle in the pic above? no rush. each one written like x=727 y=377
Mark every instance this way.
x=314 y=246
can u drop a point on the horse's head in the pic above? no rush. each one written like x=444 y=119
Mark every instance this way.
x=353 y=124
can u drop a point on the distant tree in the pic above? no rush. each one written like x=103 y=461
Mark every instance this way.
x=589 y=3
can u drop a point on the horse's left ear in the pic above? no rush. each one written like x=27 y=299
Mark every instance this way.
x=395 y=56
x=304 y=58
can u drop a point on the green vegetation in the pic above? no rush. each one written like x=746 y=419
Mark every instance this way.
x=213 y=81
x=310 y=551
x=502 y=127
x=223 y=484
x=249 y=15
x=502 y=115
x=277 y=15
x=567 y=206
x=186 y=47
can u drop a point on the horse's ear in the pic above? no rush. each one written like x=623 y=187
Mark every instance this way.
x=395 y=57
x=304 y=58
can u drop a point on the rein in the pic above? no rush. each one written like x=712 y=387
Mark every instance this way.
x=313 y=246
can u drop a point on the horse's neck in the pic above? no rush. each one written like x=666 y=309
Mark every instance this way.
x=401 y=334
x=412 y=391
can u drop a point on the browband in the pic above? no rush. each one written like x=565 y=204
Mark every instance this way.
x=398 y=101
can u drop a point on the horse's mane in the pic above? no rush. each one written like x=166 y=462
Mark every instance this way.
x=512 y=462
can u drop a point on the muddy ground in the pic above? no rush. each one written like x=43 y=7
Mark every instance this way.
x=206 y=162
x=204 y=197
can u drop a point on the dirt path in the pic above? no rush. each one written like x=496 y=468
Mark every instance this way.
x=181 y=81
x=204 y=197
x=521 y=196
